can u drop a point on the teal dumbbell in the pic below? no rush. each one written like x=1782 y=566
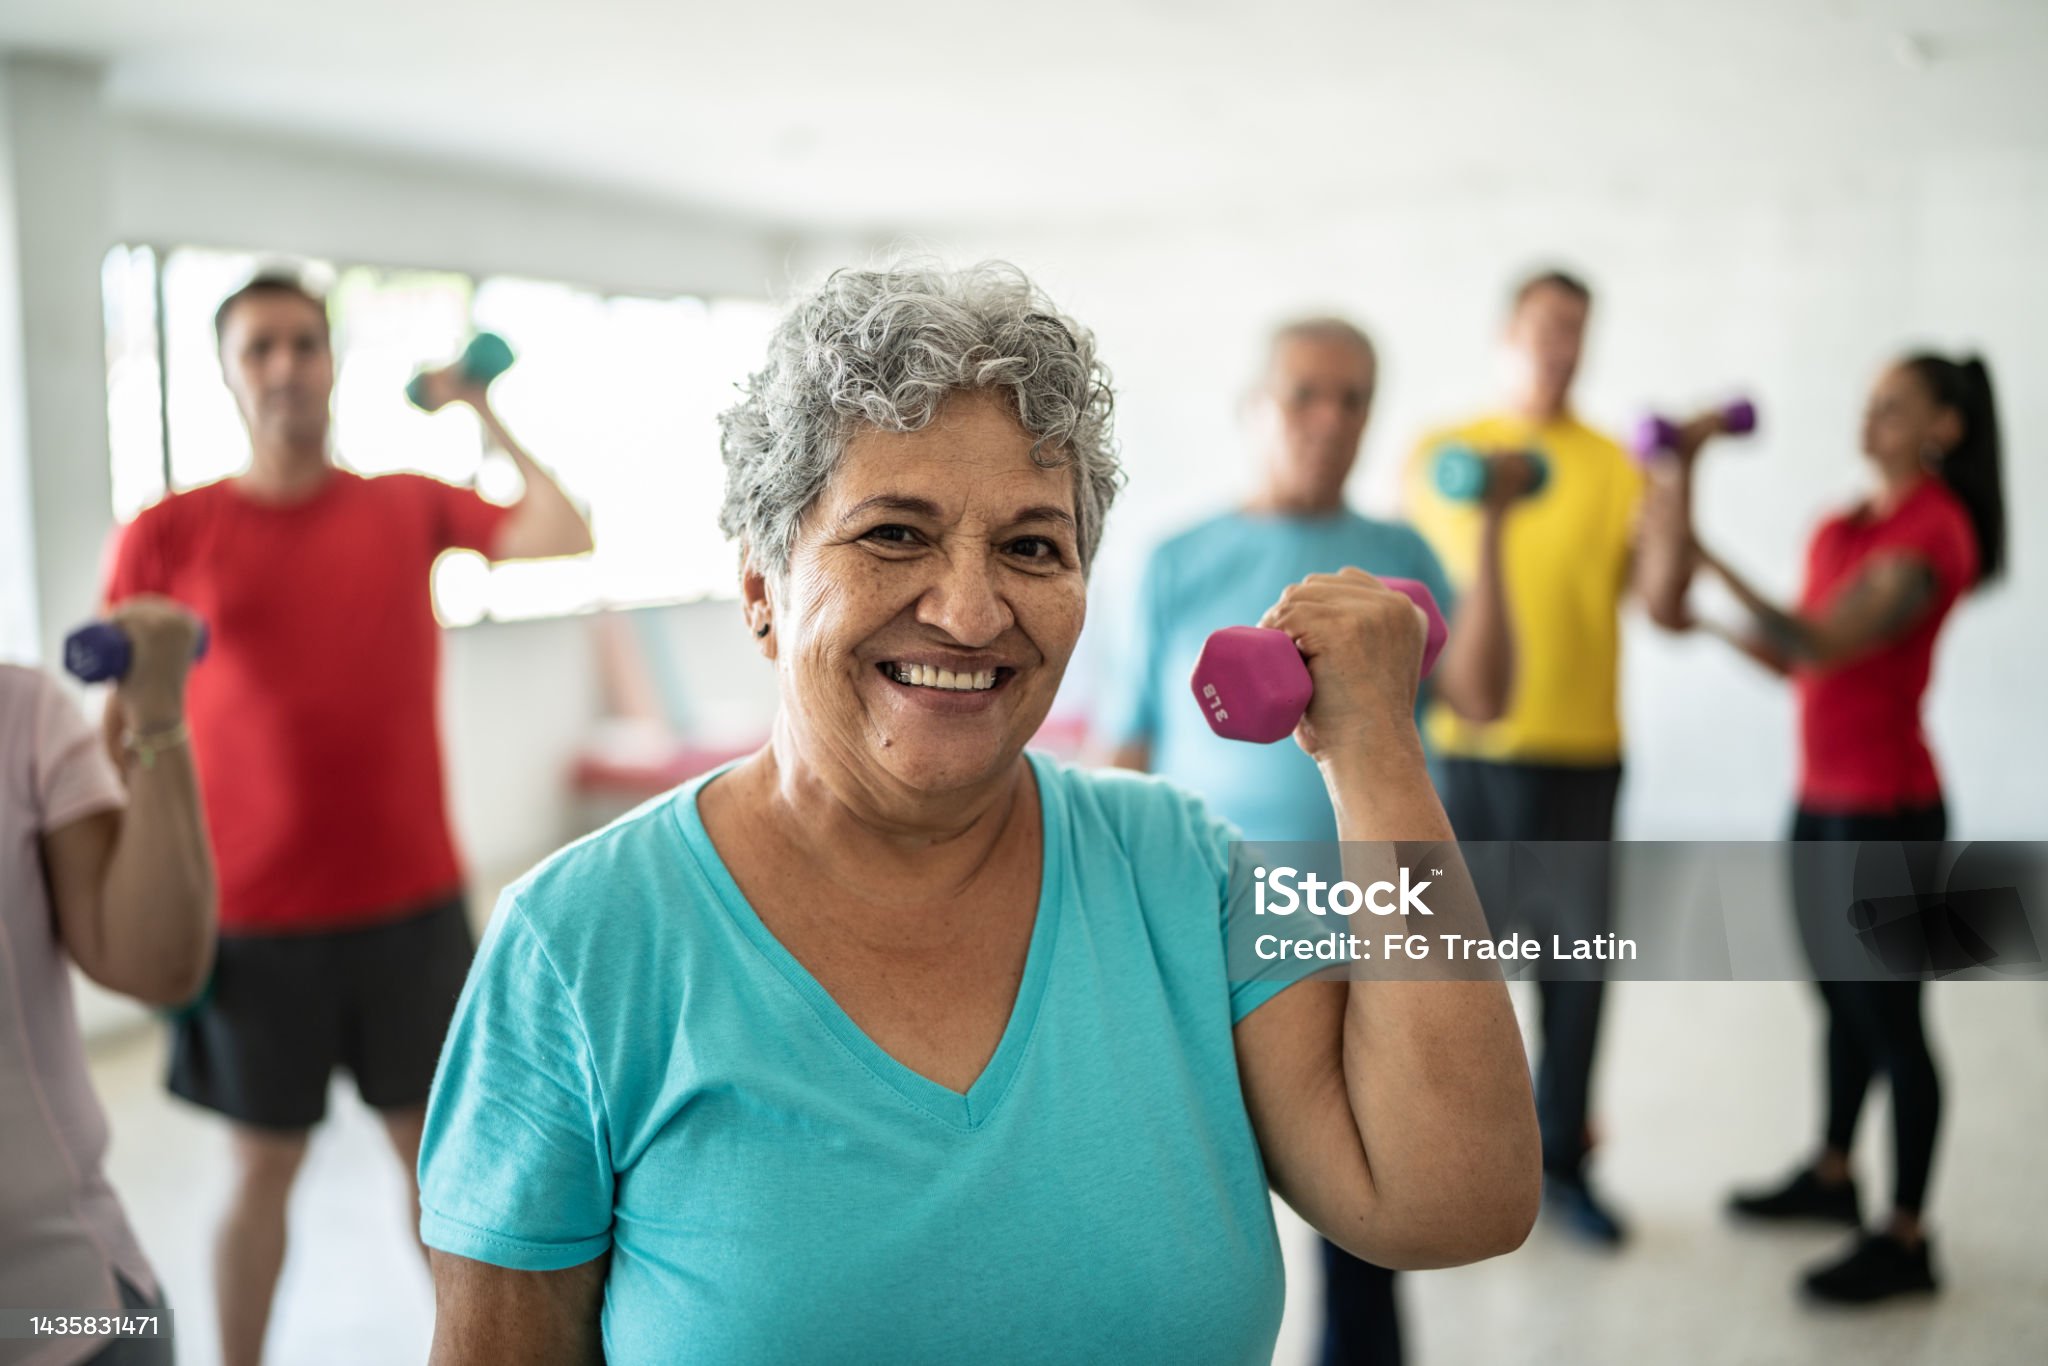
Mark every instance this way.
x=483 y=360
x=1463 y=475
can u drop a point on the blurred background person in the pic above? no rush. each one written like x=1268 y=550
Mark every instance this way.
x=109 y=869
x=1882 y=578
x=1308 y=413
x=1548 y=767
x=344 y=938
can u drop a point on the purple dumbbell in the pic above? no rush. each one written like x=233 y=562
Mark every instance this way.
x=100 y=650
x=1253 y=684
x=1657 y=436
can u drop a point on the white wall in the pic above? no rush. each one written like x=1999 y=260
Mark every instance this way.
x=57 y=131
x=18 y=614
x=174 y=183
x=1794 y=294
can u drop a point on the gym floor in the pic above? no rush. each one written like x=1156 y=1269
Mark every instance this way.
x=1701 y=1086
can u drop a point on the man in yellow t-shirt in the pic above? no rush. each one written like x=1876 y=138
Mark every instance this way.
x=1549 y=769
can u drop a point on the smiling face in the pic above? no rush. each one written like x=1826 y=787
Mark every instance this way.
x=933 y=598
x=1904 y=424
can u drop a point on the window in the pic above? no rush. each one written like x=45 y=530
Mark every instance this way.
x=617 y=395
x=135 y=427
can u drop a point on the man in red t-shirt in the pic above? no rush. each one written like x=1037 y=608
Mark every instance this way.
x=344 y=940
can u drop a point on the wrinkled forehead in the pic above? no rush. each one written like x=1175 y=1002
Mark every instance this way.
x=973 y=463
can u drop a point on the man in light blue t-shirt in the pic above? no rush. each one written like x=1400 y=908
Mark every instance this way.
x=1309 y=413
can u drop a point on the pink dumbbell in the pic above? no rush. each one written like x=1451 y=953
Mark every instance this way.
x=1253 y=684
x=1657 y=436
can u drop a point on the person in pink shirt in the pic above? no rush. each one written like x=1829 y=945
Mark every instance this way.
x=109 y=869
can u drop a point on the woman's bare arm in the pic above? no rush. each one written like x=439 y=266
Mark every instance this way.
x=133 y=890
x=1887 y=599
x=1395 y=1115
x=1752 y=645
x=488 y=1315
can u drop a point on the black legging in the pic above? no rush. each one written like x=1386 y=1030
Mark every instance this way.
x=1877 y=1026
x=1361 y=1316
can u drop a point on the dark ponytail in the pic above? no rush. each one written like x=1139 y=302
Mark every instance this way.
x=1970 y=467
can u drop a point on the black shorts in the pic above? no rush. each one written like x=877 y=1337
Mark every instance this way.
x=284 y=1010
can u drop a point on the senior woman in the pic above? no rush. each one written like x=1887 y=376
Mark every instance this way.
x=895 y=1043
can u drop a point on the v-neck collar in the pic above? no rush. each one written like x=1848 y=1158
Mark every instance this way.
x=963 y=1110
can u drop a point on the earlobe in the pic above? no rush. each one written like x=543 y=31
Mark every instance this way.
x=756 y=602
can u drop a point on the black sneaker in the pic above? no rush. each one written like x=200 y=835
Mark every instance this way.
x=1805 y=1196
x=1879 y=1267
x=1568 y=1198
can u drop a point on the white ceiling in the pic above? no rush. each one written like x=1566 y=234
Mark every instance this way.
x=920 y=115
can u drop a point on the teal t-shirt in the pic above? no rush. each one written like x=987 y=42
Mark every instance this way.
x=1226 y=572
x=637 y=1064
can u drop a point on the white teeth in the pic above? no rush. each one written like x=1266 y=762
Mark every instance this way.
x=926 y=676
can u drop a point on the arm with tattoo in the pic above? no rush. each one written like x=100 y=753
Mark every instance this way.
x=1888 y=598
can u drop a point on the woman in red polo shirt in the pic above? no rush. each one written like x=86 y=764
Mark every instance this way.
x=1881 y=579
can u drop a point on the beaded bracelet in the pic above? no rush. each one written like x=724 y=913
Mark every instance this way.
x=147 y=747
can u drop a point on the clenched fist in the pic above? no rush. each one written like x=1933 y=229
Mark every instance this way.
x=161 y=635
x=1363 y=642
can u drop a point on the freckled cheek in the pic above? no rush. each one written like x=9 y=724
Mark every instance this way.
x=1051 y=615
x=835 y=610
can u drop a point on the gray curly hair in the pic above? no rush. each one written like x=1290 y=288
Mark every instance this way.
x=885 y=349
